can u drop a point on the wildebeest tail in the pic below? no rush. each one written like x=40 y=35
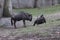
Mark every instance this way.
x=11 y=21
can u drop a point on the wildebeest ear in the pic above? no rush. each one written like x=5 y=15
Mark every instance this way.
x=42 y=15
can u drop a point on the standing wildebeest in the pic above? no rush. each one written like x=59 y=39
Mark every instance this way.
x=40 y=20
x=22 y=16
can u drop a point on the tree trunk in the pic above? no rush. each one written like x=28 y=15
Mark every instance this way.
x=52 y=2
x=7 y=9
x=35 y=3
x=18 y=3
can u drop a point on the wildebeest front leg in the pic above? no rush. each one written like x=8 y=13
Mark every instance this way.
x=34 y=23
x=24 y=23
x=15 y=24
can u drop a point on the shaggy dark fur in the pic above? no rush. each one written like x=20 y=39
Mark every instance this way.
x=40 y=20
x=22 y=16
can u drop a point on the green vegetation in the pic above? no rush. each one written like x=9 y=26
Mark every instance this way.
x=41 y=29
x=37 y=11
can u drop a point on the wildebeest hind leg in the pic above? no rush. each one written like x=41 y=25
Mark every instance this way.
x=15 y=24
x=11 y=21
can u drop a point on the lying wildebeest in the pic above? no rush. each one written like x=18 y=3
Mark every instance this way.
x=40 y=20
x=22 y=16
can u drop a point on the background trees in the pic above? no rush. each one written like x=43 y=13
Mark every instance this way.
x=7 y=8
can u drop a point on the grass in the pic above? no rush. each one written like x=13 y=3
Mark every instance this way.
x=40 y=28
x=37 y=11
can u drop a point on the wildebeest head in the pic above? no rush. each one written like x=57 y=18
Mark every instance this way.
x=40 y=20
x=30 y=17
x=43 y=18
x=27 y=16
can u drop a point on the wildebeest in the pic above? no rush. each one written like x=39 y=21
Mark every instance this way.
x=21 y=16
x=40 y=20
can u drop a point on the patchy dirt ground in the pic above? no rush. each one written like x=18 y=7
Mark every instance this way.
x=48 y=31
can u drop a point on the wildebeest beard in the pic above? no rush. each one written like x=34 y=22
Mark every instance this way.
x=22 y=16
